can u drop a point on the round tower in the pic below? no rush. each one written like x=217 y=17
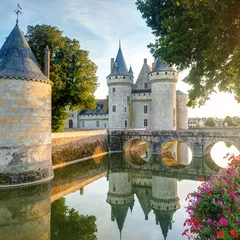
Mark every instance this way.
x=25 y=213
x=182 y=110
x=25 y=116
x=163 y=81
x=164 y=201
x=120 y=193
x=120 y=82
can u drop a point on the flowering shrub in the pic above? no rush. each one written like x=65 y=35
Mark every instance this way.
x=214 y=209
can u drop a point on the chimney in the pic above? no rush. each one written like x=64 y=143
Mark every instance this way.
x=112 y=63
x=47 y=62
x=145 y=60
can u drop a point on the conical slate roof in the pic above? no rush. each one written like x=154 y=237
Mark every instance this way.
x=165 y=220
x=17 y=59
x=120 y=213
x=162 y=66
x=120 y=67
x=180 y=92
x=130 y=70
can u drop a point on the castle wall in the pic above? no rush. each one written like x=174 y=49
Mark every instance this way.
x=182 y=111
x=93 y=121
x=138 y=114
x=25 y=132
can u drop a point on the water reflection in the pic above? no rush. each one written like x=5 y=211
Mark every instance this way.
x=152 y=184
x=219 y=151
x=67 y=223
x=25 y=213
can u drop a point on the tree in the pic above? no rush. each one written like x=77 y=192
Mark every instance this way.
x=229 y=121
x=68 y=224
x=210 y=122
x=71 y=70
x=199 y=34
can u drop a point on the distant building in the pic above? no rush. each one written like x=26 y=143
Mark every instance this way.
x=152 y=102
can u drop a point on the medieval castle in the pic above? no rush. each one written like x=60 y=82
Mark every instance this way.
x=152 y=102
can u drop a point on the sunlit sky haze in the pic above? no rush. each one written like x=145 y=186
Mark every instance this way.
x=98 y=25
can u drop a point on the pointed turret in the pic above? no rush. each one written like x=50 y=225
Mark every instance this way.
x=130 y=70
x=119 y=81
x=162 y=66
x=26 y=115
x=164 y=218
x=17 y=59
x=119 y=66
x=120 y=214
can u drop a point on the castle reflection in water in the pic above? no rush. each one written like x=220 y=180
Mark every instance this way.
x=25 y=213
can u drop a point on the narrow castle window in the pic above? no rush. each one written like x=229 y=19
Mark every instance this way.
x=70 y=123
x=128 y=99
x=145 y=109
x=125 y=123
x=83 y=124
x=114 y=90
x=97 y=123
x=165 y=73
x=124 y=77
x=145 y=85
x=125 y=109
x=145 y=123
x=114 y=109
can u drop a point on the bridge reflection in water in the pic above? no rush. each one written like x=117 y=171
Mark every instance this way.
x=25 y=213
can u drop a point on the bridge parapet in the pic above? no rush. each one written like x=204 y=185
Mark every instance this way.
x=199 y=141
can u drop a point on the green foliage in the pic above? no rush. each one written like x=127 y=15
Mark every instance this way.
x=68 y=224
x=210 y=122
x=229 y=121
x=72 y=72
x=202 y=35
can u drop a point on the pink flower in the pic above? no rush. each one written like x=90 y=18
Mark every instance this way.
x=230 y=213
x=219 y=202
x=223 y=221
x=232 y=194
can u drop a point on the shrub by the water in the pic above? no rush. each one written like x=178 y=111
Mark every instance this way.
x=214 y=209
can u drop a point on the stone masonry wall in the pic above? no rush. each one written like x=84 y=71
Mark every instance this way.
x=69 y=146
x=25 y=131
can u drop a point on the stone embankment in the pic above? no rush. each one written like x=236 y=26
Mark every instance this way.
x=72 y=147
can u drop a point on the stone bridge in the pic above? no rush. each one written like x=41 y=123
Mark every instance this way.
x=199 y=141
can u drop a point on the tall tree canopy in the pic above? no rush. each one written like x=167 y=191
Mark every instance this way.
x=72 y=72
x=201 y=34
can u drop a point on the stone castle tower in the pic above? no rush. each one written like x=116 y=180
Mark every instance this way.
x=25 y=115
x=119 y=82
x=151 y=103
x=120 y=194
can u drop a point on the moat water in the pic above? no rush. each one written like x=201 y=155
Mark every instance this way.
x=111 y=197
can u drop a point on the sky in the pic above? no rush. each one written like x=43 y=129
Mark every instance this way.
x=98 y=25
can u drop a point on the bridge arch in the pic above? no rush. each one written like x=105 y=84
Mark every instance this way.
x=138 y=151
x=209 y=145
